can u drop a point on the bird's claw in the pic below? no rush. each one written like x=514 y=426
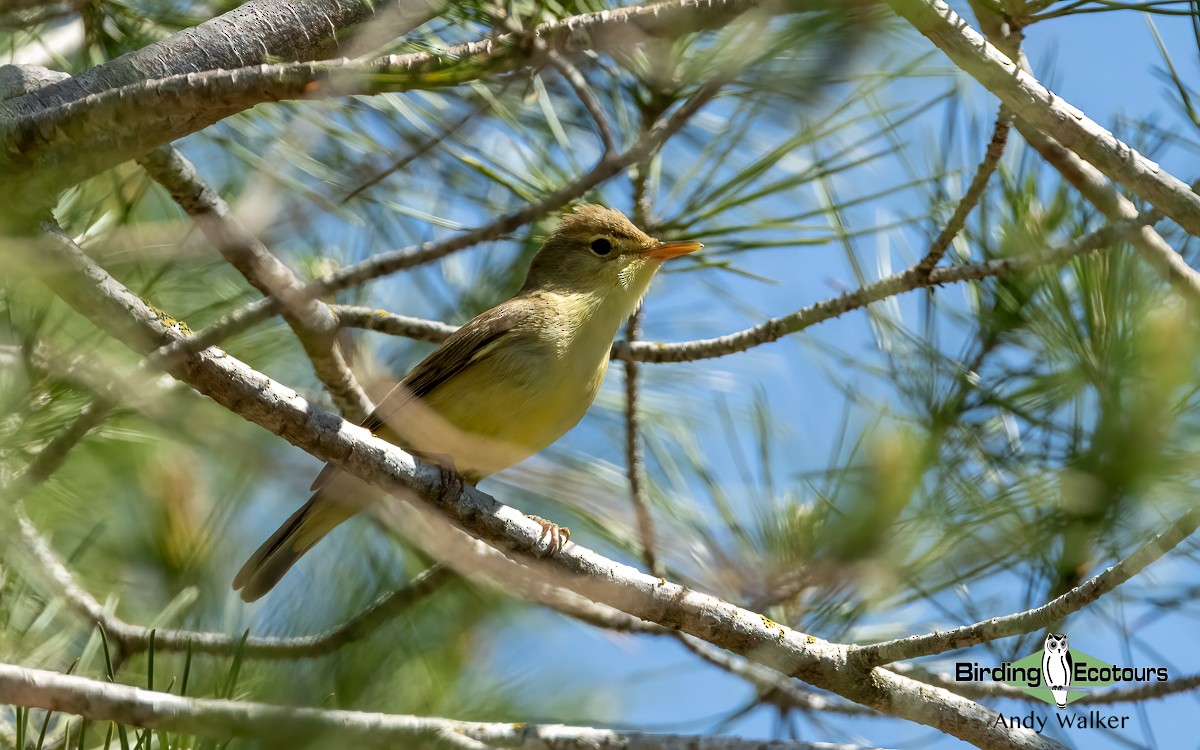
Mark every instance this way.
x=558 y=536
x=452 y=482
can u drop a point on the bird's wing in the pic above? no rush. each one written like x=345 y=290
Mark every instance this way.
x=465 y=347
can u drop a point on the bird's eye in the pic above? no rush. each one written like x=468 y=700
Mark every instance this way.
x=601 y=246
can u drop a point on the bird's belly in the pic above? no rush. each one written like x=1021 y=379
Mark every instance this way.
x=498 y=415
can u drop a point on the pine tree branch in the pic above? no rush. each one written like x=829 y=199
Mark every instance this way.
x=776 y=328
x=55 y=137
x=587 y=97
x=970 y=199
x=772 y=687
x=635 y=458
x=1088 y=180
x=284 y=725
x=256 y=398
x=1033 y=619
x=133 y=639
x=383 y=264
x=1033 y=103
x=309 y=318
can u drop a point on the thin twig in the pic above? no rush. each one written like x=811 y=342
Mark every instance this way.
x=635 y=459
x=386 y=263
x=133 y=639
x=772 y=687
x=776 y=328
x=428 y=145
x=991 y=160
x=587 y=97
x=1057 y=122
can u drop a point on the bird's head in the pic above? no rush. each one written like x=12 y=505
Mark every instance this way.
x=597 y=251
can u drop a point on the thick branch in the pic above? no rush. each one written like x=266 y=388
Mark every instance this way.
x=55 y=137
x=1085 y=178
x=283 y=725
x=1032 y=102
x=282 y=411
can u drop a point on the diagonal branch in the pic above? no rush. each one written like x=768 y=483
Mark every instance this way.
x=1033 y=103
x=254 y=397
x=1033 y=619
x=314 y=324
x=383 y=264
x=1085 y=178
x=970 y=199
x=587 y=97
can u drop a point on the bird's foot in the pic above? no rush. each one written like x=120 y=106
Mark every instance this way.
x=452 y=483
x=558 y=535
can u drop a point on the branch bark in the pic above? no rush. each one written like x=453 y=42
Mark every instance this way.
x=1033 y=619
x=311 y=319
x=63 y=133
x=1041 y=108
x=103 y=701
x=1085 y=178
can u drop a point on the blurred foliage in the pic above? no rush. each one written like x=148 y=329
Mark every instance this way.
x=942 y=457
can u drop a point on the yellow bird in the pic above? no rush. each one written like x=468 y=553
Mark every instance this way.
x=505 y=385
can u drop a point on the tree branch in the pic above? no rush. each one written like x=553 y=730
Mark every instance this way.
x=776 y=328
x=635 y=459
x=257 y=398
x=587 y=97
x=103 y=701
x=133 y=639
x=311 y=319
x=57 y=136
x=1032 y=102
x=970 y=199
x=1033 y=619
x=1085 y=178
x=385 y=263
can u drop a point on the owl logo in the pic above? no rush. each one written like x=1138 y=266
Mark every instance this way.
x=1057 y=667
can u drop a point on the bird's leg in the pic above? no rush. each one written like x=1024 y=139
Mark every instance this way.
x=558 y=535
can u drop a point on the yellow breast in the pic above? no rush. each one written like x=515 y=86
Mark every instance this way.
x=522 y=396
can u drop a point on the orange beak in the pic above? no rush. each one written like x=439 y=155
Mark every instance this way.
x=665 y=250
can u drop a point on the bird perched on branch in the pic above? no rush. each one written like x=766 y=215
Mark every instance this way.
x=505 y=385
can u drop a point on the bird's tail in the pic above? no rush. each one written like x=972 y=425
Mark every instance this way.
x=290 y=541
